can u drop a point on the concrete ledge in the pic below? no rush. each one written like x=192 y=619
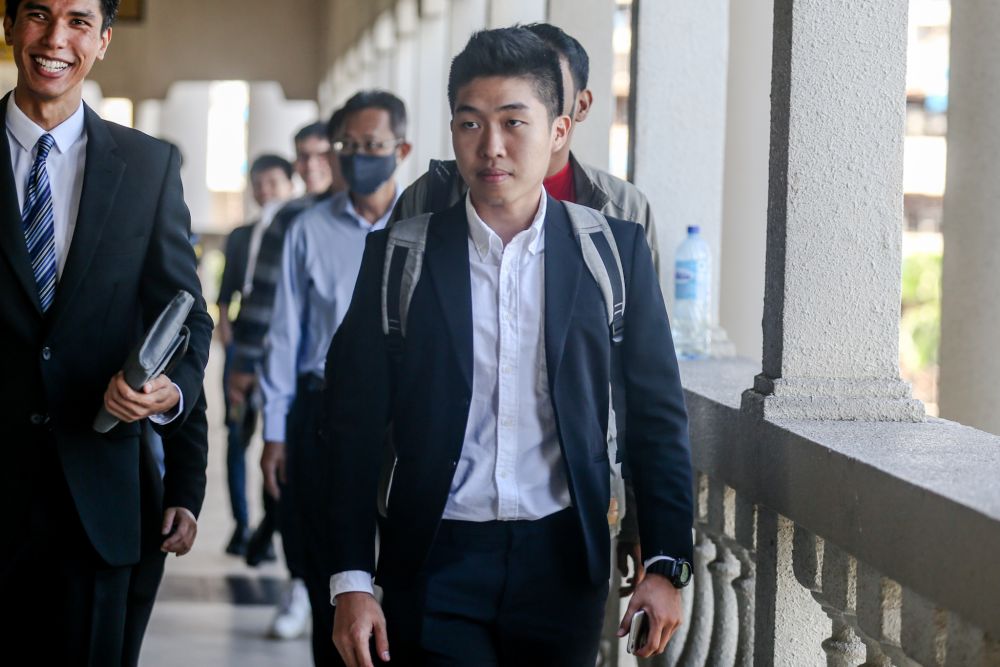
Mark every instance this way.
x=919 y=502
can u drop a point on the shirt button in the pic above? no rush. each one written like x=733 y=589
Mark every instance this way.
x=46 y=353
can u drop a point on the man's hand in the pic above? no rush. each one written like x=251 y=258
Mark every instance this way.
x=224 y=329
x=157 y=397
x=239 y=385
x=662 y=603
x=358 y=617
x=625 y=551
x=272 y=464
x=180 y=528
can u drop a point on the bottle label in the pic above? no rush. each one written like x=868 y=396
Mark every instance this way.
x=686 y=279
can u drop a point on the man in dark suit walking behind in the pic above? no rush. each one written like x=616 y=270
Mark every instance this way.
x=93 y=245
x=495 y=548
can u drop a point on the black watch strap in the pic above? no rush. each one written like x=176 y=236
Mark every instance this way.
x=677 y=571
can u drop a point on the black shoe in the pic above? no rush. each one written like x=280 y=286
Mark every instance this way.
x=260 y=548
x=238 y=542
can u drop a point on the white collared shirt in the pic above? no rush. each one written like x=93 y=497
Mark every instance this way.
x=65 y=166
x=511 y=466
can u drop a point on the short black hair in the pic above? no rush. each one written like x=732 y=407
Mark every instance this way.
x=568 y=47
x=315 y=130
x=509 y=52
x=336 y=122
x=109 y=11
x=268 y=162
x=372 y=99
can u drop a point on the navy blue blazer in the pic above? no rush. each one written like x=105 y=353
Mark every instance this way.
x=426 y=400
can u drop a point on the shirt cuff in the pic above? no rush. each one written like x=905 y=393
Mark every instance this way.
x=165 y=418
x=350 y=581
x=656 y=559
x=275 y=417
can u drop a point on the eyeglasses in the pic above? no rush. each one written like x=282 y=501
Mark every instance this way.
x=349 y=147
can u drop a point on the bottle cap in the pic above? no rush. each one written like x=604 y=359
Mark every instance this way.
x=693 y=229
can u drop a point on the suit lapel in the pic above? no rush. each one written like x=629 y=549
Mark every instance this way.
x=563 y=265
x=447 y=262
x=102 y=176
x=12 y=243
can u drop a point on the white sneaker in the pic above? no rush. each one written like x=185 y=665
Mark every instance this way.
x=294 y=612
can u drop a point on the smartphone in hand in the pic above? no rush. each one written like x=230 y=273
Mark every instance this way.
x=638 y=633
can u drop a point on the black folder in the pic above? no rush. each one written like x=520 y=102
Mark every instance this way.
x=164 y=345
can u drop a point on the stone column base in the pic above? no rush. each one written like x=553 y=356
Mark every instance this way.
x=836 y=399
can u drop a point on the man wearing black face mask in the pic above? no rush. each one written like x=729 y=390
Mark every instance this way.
x=320 y=263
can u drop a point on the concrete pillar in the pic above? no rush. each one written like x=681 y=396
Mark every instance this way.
x=680 y=121
x=384 y=40
x=970 y=303
x=367 y=61
x=831 y=302
x=592 y=23
x=273 y=120
x=184 y=122
x=406 y=77
x=147 y=117
x=744 y=199
x=505 y=13
x=432 y=115
x=271 y=125
x=467 y=16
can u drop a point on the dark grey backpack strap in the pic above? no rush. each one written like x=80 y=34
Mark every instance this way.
x=443 y=176
x=600 y=254
x=404 y=258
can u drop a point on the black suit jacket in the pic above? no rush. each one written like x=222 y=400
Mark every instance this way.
x=128 y=257
x=237 y=257
x=427 y=400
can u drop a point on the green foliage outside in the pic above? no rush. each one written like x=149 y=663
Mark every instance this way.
x=920 y=324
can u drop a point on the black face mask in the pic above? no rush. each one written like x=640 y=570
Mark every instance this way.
x=366 y=173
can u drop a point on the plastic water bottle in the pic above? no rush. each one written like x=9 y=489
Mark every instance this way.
x=691 y=322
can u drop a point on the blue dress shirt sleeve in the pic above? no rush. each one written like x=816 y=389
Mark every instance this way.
x=288 y=321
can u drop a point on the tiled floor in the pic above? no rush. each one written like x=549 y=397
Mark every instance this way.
x=195 y=622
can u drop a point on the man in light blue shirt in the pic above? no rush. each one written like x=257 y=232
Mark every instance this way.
x=322 y=256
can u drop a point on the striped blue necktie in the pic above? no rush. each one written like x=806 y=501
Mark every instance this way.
x=39 y=225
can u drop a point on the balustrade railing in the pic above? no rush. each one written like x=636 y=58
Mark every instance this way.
x=771 y=591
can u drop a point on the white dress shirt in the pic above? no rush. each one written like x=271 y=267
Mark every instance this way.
x=65 y=166
x=511 y=467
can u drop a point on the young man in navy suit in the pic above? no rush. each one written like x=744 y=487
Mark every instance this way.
x=495 y=547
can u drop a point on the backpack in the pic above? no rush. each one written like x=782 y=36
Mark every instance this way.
x=404 y=255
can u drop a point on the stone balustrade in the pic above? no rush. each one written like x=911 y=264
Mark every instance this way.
x=839 y=543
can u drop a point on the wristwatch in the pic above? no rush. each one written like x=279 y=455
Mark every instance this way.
x=677 y=571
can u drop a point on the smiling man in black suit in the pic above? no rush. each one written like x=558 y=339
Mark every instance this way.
x=93 y=245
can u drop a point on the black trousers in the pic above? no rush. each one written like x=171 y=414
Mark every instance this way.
x=513 y=593
x=302 y=499
x=68 y=607
x=148 y=572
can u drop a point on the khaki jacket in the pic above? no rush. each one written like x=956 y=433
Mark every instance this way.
x=595 y=189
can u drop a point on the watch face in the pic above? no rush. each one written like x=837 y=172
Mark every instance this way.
x=683 y=572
